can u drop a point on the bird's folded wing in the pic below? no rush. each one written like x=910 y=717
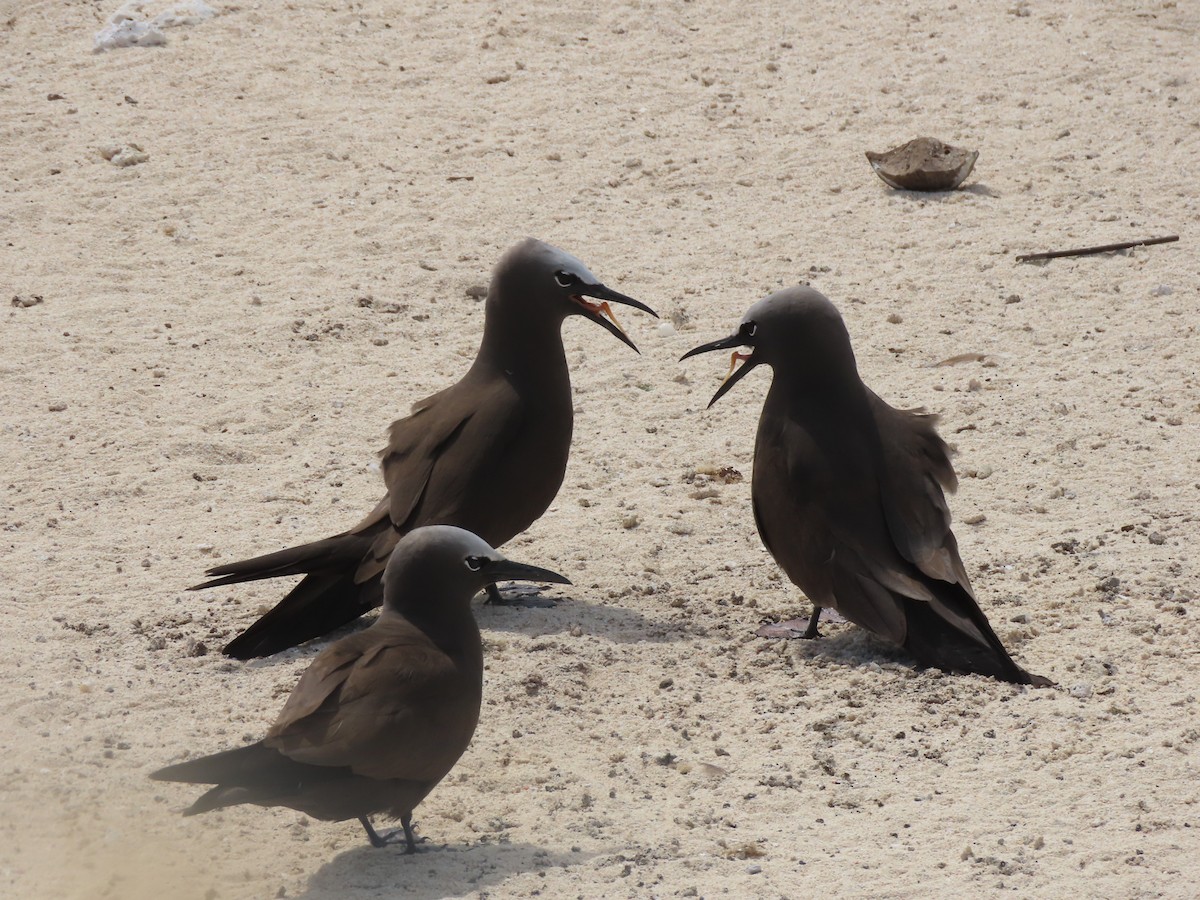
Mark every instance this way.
x=835 y=543
x=916 y=473
x=431 y=455
x=417 y=442
x=367 y=707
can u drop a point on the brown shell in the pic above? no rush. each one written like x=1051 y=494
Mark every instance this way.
x=924 y=164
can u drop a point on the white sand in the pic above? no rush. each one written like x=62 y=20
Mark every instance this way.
x=202 y=383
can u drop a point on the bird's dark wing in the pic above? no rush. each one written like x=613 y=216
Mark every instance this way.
x=432 y=462
x=820 y=515
x=915 y=474
x=386 y=703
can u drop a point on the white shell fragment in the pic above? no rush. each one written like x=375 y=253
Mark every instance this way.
x=130 y=25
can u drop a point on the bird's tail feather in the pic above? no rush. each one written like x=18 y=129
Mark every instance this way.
x=339 y=551
x=252 y=774
x=934 y=641
x=234 y=766
x=319 y=604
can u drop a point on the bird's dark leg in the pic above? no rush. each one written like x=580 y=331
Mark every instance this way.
x=372 y=836
x=493 y=594
x=406 y=822
x=382 y=840
x=811 y=631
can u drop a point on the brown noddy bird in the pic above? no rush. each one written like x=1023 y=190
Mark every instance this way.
x=382 y=715
x=848 y=492
x=487 y=454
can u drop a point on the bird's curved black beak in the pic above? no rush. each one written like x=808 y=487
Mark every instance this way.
x=735 y=373
x=508 y=570
x=601 y=314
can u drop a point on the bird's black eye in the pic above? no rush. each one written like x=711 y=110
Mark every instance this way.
x=565 y=279
x=749 y=328
x=475 y=563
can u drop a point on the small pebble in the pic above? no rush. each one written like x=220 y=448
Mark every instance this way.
x=666 y=329
x=1156 y=538
x=753 y=869
x=1082 y=691
x=1162 y=290
x=975 y=519
x=895 y=318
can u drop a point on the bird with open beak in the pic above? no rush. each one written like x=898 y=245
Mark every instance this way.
x=848 y=492
x=381 y=716
x=487 y=454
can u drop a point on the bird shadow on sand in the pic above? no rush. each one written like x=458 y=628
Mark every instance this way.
x=529 y=612
x=853 y=648
x=433 y=872
x=567 y=613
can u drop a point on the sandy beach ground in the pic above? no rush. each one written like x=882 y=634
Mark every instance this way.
x=210 y=343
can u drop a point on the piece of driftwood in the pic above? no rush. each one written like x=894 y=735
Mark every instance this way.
x=1106 y=248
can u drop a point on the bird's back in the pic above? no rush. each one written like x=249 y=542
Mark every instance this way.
x=851 y=503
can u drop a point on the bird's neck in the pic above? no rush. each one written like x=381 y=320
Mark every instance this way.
x=451 y=628
x=829 y=396
x=530 y=349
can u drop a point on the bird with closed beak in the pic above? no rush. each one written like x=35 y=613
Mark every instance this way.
x=848 y=492
x=382 y=715
x=487 y=454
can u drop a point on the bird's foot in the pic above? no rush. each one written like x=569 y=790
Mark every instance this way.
x=395 y=836
x=800 y=628
x=793 y=628
x=522 y=595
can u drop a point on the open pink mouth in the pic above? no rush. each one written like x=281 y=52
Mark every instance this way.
x=599 y=309
x=737 y=357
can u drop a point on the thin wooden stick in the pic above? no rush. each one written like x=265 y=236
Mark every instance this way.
x=1107 y=248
